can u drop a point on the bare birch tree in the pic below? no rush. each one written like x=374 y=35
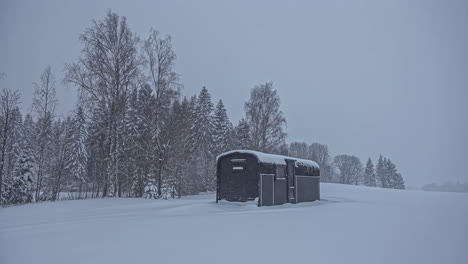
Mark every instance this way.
x=44 y=104
x=159 y=59
x=320 y=154
x=299 y=150
x=105 y=72
x=265 y=118
x=350 y=169
x=9 y=100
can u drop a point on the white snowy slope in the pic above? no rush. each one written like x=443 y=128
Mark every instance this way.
x=350 y=225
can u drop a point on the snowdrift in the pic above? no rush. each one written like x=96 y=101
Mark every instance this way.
x=351 y=224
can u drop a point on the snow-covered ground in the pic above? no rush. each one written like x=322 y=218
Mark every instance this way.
x=350 y=225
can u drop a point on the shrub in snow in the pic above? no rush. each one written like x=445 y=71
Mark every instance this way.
x=18 y=188
x=151 y=192
x=45 y=195
x=7 y=190
x=111 y=191
x=168 y=191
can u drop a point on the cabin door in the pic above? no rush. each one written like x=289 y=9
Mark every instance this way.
x=291 y=186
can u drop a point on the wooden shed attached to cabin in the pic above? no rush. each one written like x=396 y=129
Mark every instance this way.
x=244 y=175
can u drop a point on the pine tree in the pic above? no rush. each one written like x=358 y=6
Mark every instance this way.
x=60 y=144
x=395 y=180
x=203 y=129
x=150 y=191
x=192 y=180
x=399 y=182
x=22 y=185
x=98 y=154
x=380 y=173
x=77 y=162
x=7 y=190
x=28 y=130
x=135 y=156
x=222 y=129
x=202 y=141
x=242 y=135
x=390 y=170
x=179 y=178
x=14 y=145
x=369 y=174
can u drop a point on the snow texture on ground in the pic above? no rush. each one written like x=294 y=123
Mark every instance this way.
x=350 y=225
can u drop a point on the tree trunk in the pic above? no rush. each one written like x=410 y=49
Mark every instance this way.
x=160 y=178
x=5 y=130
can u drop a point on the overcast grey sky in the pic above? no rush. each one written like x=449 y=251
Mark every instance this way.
x=364 y=77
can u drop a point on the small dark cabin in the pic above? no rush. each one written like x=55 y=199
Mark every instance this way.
x=245 y=175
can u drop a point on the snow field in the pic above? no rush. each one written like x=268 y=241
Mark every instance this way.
x=351 y=224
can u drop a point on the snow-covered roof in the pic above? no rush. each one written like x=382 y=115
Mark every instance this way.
x=272 y=158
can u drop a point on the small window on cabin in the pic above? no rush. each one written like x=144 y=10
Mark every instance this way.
x=238 y=169
x=280 y=172
x=238 y=165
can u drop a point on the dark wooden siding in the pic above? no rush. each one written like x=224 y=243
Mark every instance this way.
x=235 y=184
x=308 y=188
x=241 y=177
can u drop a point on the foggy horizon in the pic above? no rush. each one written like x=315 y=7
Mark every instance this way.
x=365 y=78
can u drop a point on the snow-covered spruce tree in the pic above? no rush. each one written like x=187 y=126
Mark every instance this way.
x=390 y=171
x=192 y=181
x=124 y=155
x=380 y=173
x=150 y=191
x=28 y=130
x=135 y=156
x=60 y=144
x=223 y=129
x=369 y=177
x=188 y=183
x=399 y=182
x=22 y=184
x=386 y=181
x=177 y=171
x=23 y=138
x=77 y=161
x=242 y=135
x=98 y=154
x=7 y=191
x=146 y=146
x=265 y=119
x=201 y=140
x=17 y=143
x=395 y=180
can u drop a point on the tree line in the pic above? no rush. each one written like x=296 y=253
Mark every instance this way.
x=348 y=169
x=132 y=132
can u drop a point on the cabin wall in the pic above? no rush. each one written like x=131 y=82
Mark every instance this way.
x=307 y=188
x=280 y=185
x=242 y=178
x=235 y=184
x=275 y=188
